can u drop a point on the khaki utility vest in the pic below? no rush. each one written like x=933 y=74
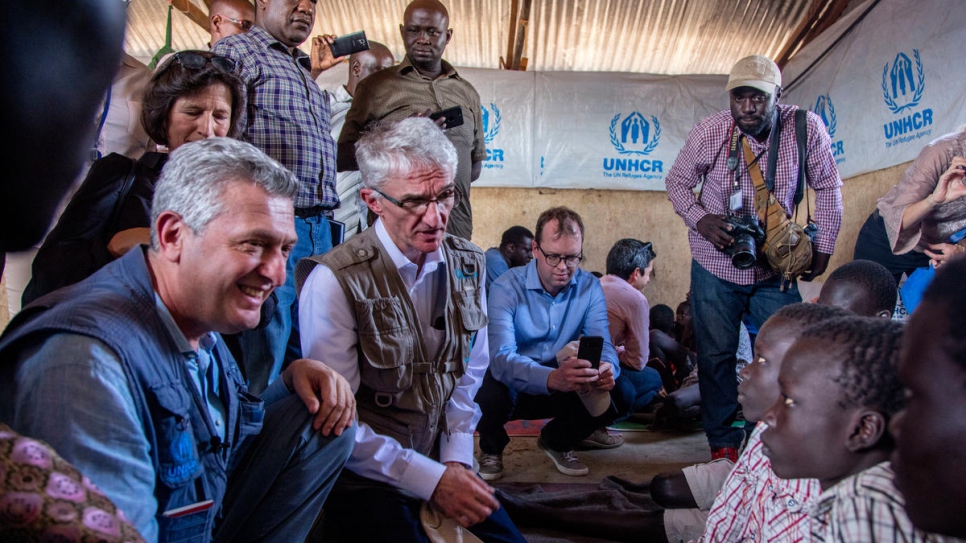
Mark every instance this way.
x=404 y=387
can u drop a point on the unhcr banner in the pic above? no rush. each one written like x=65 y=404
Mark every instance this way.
x=585 y=130
x=892 y=85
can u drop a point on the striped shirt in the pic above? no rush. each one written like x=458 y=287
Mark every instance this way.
x=705 y=155
x=866 y=507
x=755 y=505
x=288 y=114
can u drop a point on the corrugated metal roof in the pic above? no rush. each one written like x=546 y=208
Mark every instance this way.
x=647 y=36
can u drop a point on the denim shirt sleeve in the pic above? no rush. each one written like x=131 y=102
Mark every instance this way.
x=517 y=371
x=73 y=394
x=596 y=324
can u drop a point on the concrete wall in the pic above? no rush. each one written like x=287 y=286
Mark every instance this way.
x=611 y=215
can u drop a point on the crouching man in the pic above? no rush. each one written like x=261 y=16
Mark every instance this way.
x=126 y=376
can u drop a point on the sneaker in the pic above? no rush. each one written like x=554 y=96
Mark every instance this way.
x=566 y=462
x=491 y=466
x=601 y=439
x=730 y=453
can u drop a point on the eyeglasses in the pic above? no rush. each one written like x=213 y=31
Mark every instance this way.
x=554 y=260
x=445 y=201
x=197 y=61
x=243 y=24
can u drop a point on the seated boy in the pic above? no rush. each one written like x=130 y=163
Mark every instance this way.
x=754 y=504
x=929 y=459
x=863 y=287
x=839 y=388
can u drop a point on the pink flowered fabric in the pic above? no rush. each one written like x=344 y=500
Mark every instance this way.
x=43 y=498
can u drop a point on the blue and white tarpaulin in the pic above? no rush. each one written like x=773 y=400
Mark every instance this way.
x=889 y=87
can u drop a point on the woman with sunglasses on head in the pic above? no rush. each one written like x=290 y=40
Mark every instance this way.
x=192 y=96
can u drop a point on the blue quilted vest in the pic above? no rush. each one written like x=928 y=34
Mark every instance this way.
x=116 y=306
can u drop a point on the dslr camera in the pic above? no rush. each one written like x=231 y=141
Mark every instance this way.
x=748 y=235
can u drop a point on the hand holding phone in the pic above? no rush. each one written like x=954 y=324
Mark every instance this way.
x=349 y=44
x=453 y=116
x=590 y=349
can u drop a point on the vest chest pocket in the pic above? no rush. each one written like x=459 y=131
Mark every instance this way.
x=469 y=305
x=178 y=461
x=387 y=344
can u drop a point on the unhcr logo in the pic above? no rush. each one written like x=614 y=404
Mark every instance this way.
x=902 y=86
x=899 y=85
x=491 y=127
x=825 y=108
x=634 y=135
x=631 y=137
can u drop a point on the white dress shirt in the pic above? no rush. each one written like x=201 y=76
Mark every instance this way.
x=329 y=333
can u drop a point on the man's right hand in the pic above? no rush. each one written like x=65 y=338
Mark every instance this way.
x=464 y=497
x=714 y=229
x=572 y=374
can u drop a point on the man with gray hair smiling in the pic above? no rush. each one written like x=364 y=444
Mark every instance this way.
x=399 y=311
x=126 y=376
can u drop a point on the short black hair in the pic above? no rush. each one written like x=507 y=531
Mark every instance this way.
x=948 y=291
x=806 y=314
x=662 y=318
x=873 y=278
x=627 y=255
x=515 y=235
x=869 y=349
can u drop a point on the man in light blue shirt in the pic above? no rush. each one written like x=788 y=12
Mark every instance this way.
x=516 y=249
x=537 y=312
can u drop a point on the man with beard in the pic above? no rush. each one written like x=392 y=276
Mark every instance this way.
x=715 y=154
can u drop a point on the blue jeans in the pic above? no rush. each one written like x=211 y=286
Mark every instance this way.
x=266 y=352
x=277 y=486
x=717 y=307
x=641 y=386
x=381 y=514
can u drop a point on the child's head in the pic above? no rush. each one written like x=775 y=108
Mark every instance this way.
x=662 y=318
x=930 y=456
x=863 y=287
x=839 y=388
x=758 y=389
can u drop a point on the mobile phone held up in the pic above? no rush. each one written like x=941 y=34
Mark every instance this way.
x=349 y=44
x=590 y=349
x=453 y=116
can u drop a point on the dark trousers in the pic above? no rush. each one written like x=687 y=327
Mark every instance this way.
x=277 y=488
x=571 y=422
x=873 y=244
x=716 y=307
x=379 y=514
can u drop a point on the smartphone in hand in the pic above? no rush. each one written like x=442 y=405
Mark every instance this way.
x=590 y=349
x=453 y=116
x=348 y=44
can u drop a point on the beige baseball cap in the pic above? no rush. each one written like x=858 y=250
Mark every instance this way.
x=756 y=71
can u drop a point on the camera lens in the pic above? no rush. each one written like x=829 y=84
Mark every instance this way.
x=743 y=251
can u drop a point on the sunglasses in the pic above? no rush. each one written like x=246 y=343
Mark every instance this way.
x=197 y=61
x=242 y=24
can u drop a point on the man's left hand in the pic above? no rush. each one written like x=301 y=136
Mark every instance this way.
x=321 y=56
x=606 y=379
x=325 y=392
x=464 y=497
x=819 y=264
x=940 y=253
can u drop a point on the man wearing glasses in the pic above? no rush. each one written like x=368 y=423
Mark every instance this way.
x=399 y=311
x=229 y=17
x=537 y=313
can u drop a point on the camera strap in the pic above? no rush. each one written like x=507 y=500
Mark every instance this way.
x=766 y=206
